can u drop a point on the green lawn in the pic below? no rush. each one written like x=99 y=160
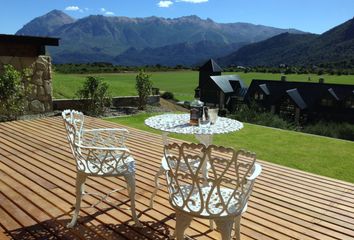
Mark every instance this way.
x=181 y=83
x=315 y=154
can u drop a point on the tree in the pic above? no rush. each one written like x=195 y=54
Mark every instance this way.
x=96 y=94
x=12 y=94
x=143 y=86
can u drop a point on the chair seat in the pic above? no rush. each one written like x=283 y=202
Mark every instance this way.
x=103 y=166
x=214 y=205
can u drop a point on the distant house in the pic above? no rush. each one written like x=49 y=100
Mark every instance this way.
x=219 y=90
x=304 y=101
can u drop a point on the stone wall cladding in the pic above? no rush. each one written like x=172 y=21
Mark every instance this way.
x=38 y=85
x=129 y=101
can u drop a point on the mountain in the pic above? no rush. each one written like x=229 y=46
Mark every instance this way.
x=186 y=54
x=100 y=38
x=333 y=46
x=283 y=48
x=44 y=25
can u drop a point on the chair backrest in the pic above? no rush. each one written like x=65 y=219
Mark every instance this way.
x=96 y=151
x=73 y=122
x=226 y=189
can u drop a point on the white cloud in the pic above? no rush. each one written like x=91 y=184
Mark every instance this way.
x=193 y=1
x=165 y=4
x=72 y=8
x=106 y=12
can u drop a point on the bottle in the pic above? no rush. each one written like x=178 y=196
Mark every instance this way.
x=196 y=112
x=206 y=114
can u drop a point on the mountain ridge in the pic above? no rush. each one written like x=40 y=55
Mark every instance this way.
x=333 y=46
x=108 y=37
x=45 y=24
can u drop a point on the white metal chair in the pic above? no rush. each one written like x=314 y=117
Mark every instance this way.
x=98 y=153
x=230 y=181
x=194 y=163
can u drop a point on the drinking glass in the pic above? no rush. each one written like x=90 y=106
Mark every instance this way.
x=213 y=115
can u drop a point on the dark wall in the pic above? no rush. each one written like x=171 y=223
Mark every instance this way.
x=21 y=50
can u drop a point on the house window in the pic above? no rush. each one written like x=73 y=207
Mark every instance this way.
x=349 y=103
x=287 y=109
x=258 y=96
x=327 y=102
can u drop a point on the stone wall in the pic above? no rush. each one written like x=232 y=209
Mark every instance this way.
x=38 y=85
x=129 y=101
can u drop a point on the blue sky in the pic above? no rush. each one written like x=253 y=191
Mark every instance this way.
x=316 y=16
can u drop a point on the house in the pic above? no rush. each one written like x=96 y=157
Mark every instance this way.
x=29 y=53
x=25 y=46
x=219 y=90
x=304 y=101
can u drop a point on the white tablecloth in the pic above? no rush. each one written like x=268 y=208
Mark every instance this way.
x=179 y=123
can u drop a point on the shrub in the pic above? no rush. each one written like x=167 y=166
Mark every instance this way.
x=168 y=95
x=143 y=86
x=12 y=94
x=331 y=129
x=254 y=114
x=271 y=120
x=95 y=92
x=246 y=113
x=223 y=112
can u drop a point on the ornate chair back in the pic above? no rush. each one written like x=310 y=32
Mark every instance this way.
x=73 y=122
x=97 y=151
x=225 y=191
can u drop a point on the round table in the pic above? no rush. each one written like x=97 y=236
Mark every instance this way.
x=179 y=123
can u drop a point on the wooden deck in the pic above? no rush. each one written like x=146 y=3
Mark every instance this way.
x=37 y=185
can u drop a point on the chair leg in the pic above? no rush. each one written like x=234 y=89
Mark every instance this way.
x=130 y=179
x=224 y=225
x=157 y=186
x=211 y=224
x=80 y=182
x=237 y=234
x=182 y=222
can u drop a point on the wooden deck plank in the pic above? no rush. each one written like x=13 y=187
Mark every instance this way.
x=73 y=179
x=151 y=188
x=37 y=158
x=66 y=186
x=38 y=176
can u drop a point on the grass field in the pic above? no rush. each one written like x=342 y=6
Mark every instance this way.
x=320 y=155
x=181 y=83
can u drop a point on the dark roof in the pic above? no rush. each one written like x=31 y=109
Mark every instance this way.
x=5 y=38
x=309 y=92
x=296 y=97
x=241 y=92
x=236 y=78
x=210 y=66
x=224 y=82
